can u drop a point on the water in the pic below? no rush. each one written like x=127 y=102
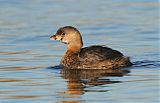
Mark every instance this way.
x=28 y=57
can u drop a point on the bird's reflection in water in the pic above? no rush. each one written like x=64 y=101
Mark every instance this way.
x=79 y=81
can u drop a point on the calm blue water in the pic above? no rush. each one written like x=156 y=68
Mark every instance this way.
x=28 y=57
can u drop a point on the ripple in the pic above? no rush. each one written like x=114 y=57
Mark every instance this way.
x=146 y=63
x=142 y=80
x=10 y=80
x=96 y=90
x=19 y=68
x=16 y=52
x=24 y=96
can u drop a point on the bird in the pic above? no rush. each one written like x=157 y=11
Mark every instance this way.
x=91 y=57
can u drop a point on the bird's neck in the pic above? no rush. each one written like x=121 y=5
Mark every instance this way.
x=73 y=48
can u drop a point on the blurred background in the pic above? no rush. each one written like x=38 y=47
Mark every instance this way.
x=26 y=53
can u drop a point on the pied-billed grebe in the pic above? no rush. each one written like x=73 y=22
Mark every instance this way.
x=93 y=57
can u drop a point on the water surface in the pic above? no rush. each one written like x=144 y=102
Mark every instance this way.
x=28 y=58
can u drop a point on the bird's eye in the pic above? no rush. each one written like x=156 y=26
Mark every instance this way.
x=63 y=34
